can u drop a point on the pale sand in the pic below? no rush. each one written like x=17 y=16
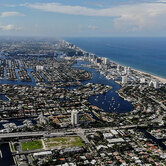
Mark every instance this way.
x=161 y=79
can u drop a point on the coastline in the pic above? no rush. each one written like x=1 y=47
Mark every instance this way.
x=160 y=78
x=153 y=76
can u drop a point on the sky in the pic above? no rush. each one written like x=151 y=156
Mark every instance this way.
x=83 y=18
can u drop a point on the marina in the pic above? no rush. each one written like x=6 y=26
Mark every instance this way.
x=111 y=101
x=82 y=98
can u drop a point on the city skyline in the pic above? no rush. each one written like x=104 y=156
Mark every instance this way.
x=101 y=18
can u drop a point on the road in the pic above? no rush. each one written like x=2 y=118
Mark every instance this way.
x=63 y=132
x=161 y=104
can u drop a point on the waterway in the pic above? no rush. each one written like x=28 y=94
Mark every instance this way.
x=3 y=97
x=18 y=81
x=111 y=101
x=7 y=159
x=18 y=121
x=155 y=140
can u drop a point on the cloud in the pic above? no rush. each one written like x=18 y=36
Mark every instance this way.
x=115 y=11
x=93 y=27
x=59 y=8
x=97 y=4
x=126 y=17
x=10 y=27
x=9 y=5
x=9 y=14
x=161 y=1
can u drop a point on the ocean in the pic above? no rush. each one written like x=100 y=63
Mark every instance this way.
x=145 y=54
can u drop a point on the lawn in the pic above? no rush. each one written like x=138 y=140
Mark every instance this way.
x=31 y=145
x=63 y=142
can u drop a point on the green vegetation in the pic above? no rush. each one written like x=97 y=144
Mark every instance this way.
x=32 y=145
x=63 y=142
x=26 y=107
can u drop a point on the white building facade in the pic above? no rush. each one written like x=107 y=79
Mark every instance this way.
x=74 y=117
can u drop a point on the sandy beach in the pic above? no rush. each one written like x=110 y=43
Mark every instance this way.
x=161 y=79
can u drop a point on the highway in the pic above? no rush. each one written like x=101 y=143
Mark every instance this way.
x=79 y=131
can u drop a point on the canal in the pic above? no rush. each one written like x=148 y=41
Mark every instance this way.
x=6 y=158
x=155 y=140
x=111 y=101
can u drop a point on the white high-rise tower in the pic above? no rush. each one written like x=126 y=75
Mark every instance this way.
x=74 y=117
x=124 y=79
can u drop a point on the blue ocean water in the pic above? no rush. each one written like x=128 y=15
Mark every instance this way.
x=146 y=54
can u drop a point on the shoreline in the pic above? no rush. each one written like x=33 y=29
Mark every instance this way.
x=161 y=79
x=152 y=75
x=158 y=77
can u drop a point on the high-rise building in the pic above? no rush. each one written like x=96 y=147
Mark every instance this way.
x=151 y=83
x=142 y=80
x=74 y=117
x=105 y=61
x=124 y=79
x=127 y=70
x=118 y=67
x=154 y=84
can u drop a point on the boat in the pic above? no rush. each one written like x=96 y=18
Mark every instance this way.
x=3 y=121
x=1 y=156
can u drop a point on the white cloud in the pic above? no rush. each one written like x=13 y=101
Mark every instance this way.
x=59 y=8
x=9 y=14
x=9 y=5
x=10 y=27
x=128 y=17
x=93 y=27
x=161 y=1
x=115 y=11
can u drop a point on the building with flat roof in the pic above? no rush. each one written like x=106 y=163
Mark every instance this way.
x=124 y=79
x=40 y=154
x=39 y=68
x=74 y=117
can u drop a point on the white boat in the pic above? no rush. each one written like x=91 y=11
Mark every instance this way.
x=4 y=121
x=1 y=154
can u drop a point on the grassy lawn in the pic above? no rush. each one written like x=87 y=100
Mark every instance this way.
x=32 y=145
x=63 y=142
